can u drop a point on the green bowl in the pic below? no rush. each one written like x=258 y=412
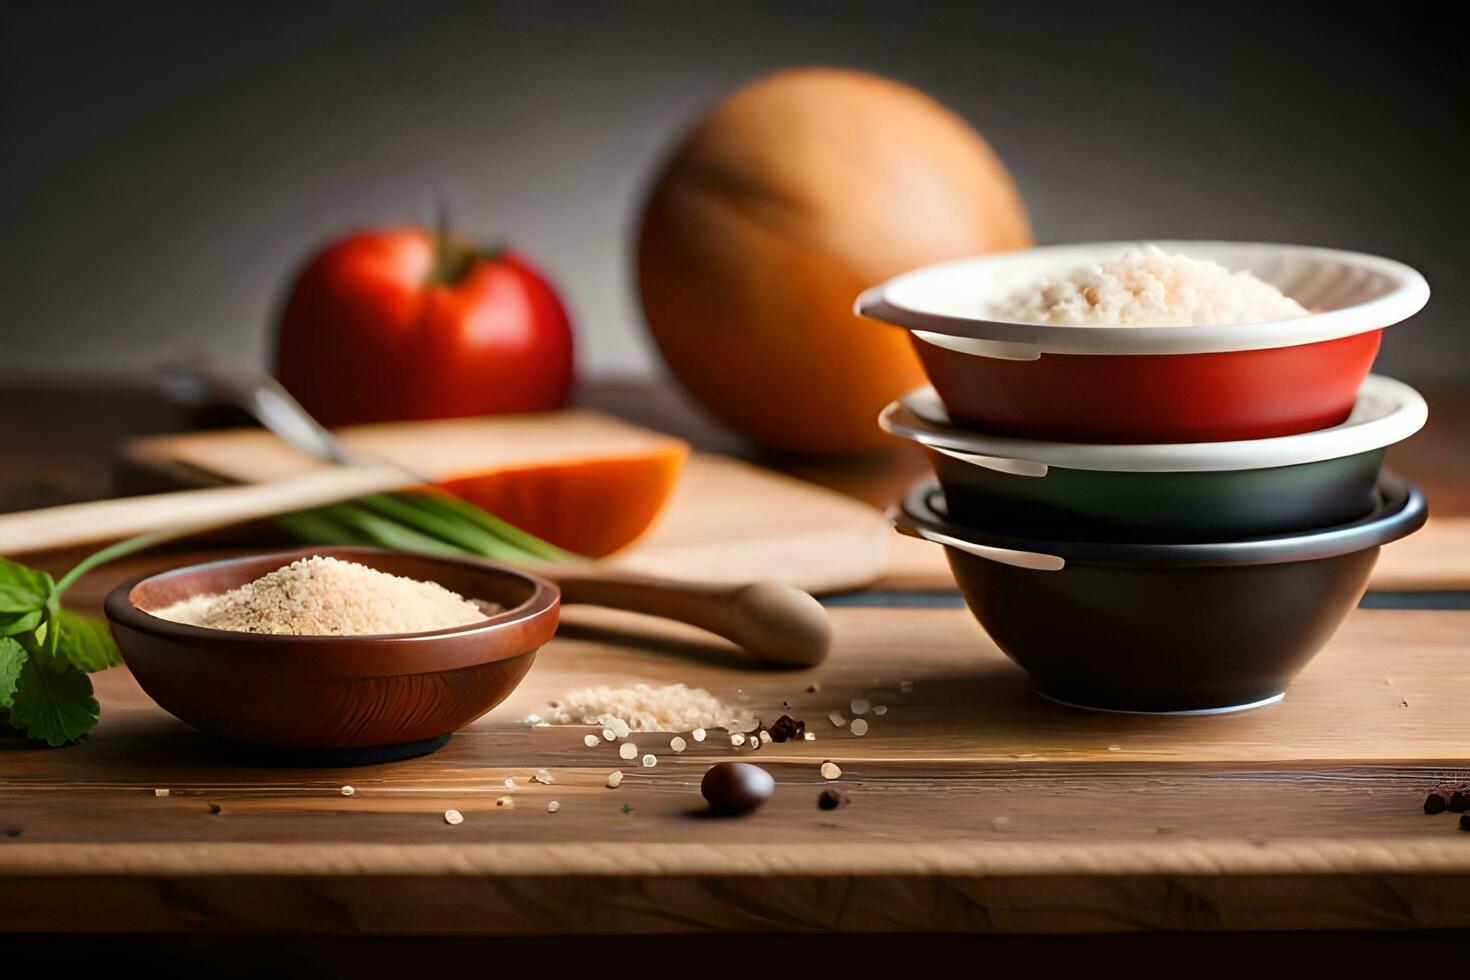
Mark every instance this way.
x=1197 y=491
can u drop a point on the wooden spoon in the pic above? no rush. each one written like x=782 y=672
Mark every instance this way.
x=775 y=623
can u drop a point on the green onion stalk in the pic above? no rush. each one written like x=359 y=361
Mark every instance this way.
x=426 y=521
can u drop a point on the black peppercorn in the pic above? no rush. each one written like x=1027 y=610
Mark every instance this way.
x=787 y=727
x=831 y=799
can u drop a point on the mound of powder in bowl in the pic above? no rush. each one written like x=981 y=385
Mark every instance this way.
x=1147 y=287
x=326 y=597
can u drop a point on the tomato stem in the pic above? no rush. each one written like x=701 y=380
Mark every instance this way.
x=451 y=260
x=439 y=264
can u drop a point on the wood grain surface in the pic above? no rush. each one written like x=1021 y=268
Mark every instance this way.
x=439 y=449
x=975 y=805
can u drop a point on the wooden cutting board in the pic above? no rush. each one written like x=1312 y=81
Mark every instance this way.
x=727 y=520
x=975 y=805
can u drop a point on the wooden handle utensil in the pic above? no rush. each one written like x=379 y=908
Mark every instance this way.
x=773 y=622
x=776 y=624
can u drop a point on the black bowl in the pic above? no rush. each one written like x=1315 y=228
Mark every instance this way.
x=1164 y=627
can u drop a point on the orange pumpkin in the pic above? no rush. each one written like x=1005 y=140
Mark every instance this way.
x=792 y=196
x=592 y=507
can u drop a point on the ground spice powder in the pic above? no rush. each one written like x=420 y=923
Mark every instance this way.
x=642 y=708
x=327 y=597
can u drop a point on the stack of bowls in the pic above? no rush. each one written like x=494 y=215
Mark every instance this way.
x=1158 y=519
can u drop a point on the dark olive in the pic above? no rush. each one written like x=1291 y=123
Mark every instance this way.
x=736 y=787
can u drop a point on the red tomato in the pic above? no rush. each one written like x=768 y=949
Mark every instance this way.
x=374 y=332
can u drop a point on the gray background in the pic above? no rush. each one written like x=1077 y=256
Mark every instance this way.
x=167 y=164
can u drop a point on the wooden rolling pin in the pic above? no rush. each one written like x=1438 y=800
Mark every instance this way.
x=776 y=624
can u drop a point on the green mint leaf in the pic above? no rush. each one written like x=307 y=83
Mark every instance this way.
x=53 y=703
x=36 y=581
x=18 y=598
x=24 y=596
x=12 y=659
x=85 y=642
x=15 y=624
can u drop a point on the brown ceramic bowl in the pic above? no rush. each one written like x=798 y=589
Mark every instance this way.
x=381 y=697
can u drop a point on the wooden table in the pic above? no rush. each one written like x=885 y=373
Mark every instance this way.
x=975 y=806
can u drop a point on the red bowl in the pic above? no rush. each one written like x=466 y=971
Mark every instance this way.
x=1142 y=384
x=1160 y=398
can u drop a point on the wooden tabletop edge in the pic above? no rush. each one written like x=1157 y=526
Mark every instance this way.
x=1019 y=859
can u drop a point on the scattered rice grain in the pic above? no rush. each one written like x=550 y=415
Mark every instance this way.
x=348 y=791
x=453 y=817
x=860 y=706
x=650 y=760
x=859 y=727
x=591 y=741
x=553 y=806
x=614 y=778
x=830 y=770
x=678 y=744
x=543 y=777
x=627 y=750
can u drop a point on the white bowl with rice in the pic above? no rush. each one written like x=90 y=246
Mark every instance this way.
x=1107 y=342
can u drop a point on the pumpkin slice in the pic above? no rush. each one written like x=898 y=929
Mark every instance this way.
x=591 y=507
x=584 y=481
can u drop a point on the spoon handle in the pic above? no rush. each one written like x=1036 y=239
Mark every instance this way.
x=777 y=624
